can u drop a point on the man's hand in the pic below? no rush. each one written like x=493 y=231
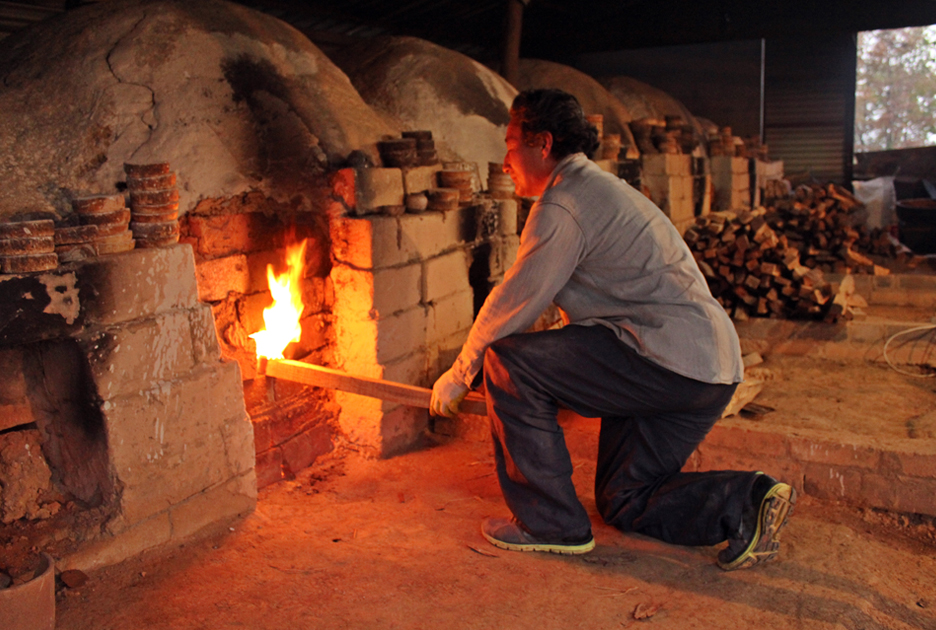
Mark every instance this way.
x=447 y=394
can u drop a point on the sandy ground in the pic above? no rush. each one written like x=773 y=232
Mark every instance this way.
x=353 y=543
x=848 y=397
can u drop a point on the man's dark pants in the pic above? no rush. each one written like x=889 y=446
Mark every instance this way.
x=651 y=421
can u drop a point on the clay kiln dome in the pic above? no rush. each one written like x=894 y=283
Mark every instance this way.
x=646 y=101
x=465 y=105
x=234 y=99
x=595 y=99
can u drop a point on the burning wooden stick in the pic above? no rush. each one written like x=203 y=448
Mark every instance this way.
x=319 y=376
x=282 y=327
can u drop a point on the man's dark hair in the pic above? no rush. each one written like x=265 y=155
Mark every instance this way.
x=560 y=114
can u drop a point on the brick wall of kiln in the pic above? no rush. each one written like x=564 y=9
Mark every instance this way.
x=389 y=297
x=234 y=240
x=114 y=361
x=406 y=290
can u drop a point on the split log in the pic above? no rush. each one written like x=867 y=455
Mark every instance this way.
x=309 y=374
x=746 y=393
x=771 y=261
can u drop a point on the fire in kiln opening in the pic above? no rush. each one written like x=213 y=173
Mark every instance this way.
x=281 y=319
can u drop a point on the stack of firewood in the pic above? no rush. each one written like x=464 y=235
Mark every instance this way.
x=770 y=262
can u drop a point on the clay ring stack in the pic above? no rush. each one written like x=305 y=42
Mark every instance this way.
x=443 y=199
x=109 y=213
x=27 y=246
x=611 y=146
x=499 y=183
x=398 y=152
x=426 y=154
x=76 y=243
x=154 y=204
x=461 y=181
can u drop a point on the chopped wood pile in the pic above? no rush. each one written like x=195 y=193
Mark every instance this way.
x=770 y=262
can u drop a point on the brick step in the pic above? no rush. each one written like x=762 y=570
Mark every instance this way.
x=917 y=290
x=893 y=474
x=876 y=313
x=856 y=340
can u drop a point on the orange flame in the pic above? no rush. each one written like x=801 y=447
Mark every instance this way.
x=281 y=320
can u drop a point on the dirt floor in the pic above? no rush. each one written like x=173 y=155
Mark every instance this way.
x=355 y=543
x=848 y=397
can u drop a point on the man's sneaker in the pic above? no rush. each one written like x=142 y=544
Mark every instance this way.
x=775 y=502
x=508 y=534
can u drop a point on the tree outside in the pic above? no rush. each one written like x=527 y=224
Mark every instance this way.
x=895 y=97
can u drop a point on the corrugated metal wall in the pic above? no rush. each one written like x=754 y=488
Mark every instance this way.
x=809 y=105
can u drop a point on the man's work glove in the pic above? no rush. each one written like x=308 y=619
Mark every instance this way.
x=447 y=394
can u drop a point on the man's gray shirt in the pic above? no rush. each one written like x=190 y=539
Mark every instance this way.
x=606 y=255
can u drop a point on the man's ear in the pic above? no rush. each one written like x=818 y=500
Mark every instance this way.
x=547 y=138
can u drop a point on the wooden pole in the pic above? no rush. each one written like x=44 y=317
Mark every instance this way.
x=319 y=376
x=510 y=57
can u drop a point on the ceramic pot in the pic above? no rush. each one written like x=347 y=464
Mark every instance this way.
x=31 y=605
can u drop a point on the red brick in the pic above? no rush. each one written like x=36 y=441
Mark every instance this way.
x=809 y=450
x=752 y=442
x=917 y=464
x=286 y=419
x=717 y=458
x=284 y=391
x=269 y=467
x=899 y=493
x=334 y=208
x=228 y=234
x=263 y=434
x=302 y=451
x=833 y=482
x=879 y=490
x=915 y=495
x=219 y=276
x=889 y=464
x=342 y=185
